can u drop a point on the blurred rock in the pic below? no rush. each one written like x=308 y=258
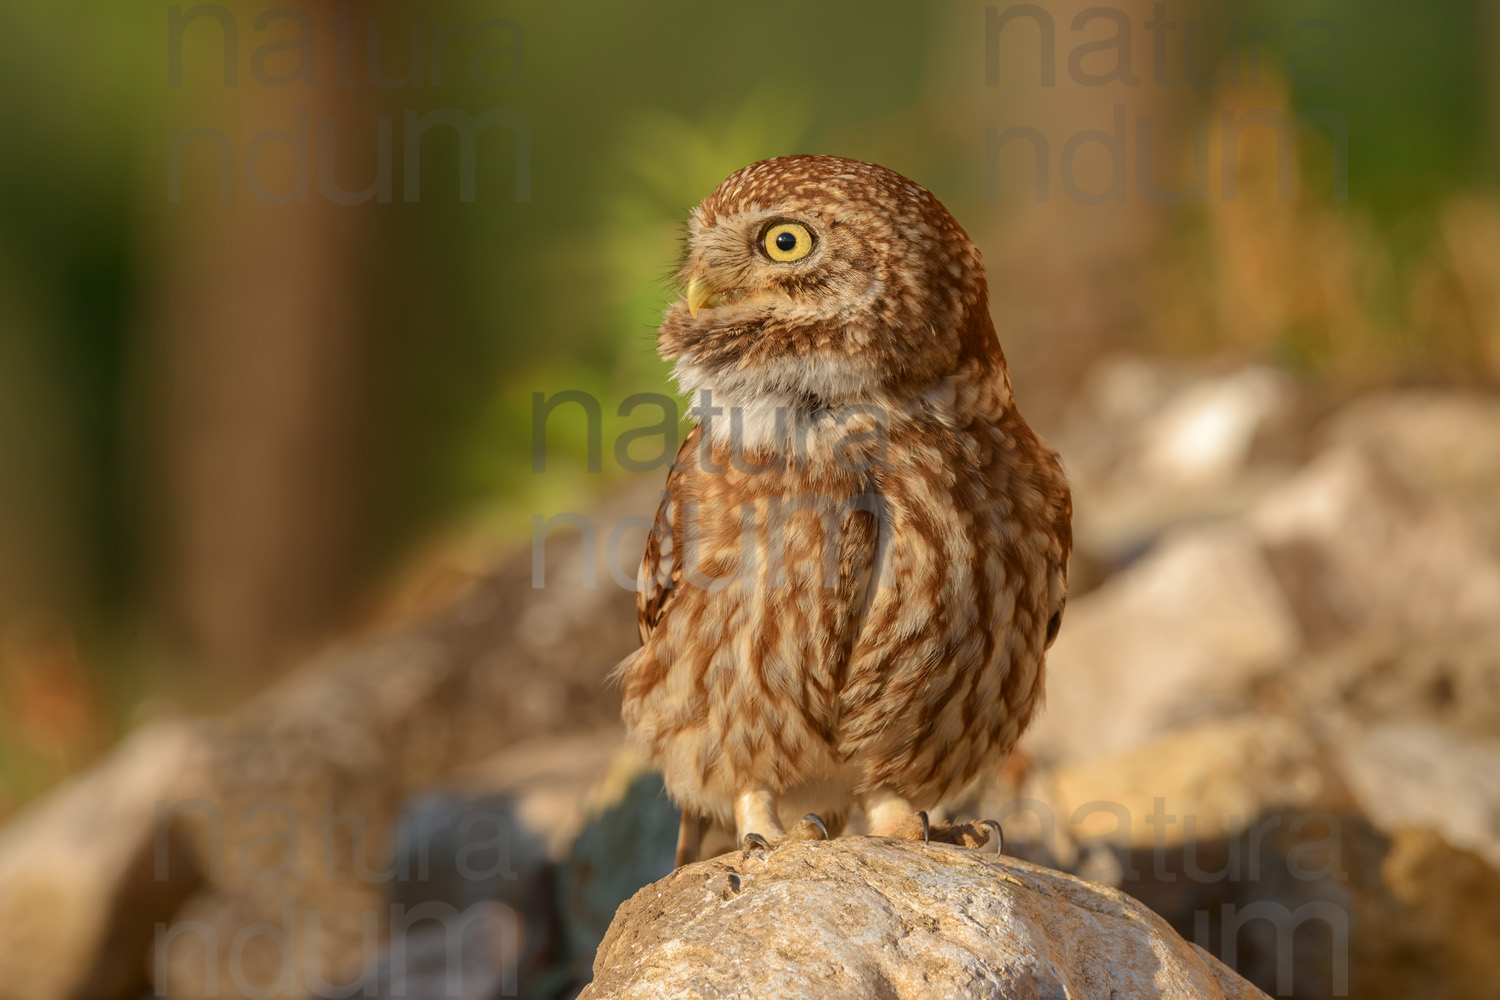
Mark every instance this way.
x=1447 y=678
x=303 y=787
x=1250 y=836
x=1433 y=928
x=1151 y=447
x=454 y=955
x=1444 y=443
x=880 y=918
x=290 y=803
x=625 y=847
x=1316 y=905
x=1419 y=775
x=1359 y=550
x=558 y=783
x=1177 y=635
x=1206 y=432
x=86 y=873
x=1210 y=780
x=556 y=833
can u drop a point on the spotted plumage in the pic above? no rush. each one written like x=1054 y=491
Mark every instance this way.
x=861 y=554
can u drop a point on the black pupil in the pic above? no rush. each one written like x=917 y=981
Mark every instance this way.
x=786 y=242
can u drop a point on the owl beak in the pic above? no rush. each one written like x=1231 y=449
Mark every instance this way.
x=699 y=291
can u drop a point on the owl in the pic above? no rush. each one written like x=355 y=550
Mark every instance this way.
x=861 y=554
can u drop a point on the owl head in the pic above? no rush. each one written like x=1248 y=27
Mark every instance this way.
x=825 y=282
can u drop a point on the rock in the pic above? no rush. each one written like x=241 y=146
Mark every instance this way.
x=1445 y=444
x=1207 y=781
x=1421 y=775
x=1205 y=434
x=629 y=845
x=1317 y=906
x=1318 y=859
x=879 y=918
x=290 y=802
x=540 y=845
x=1359 y=550
x=1449 y=679
x=1152 y=447
x=86 y=873
x=1431 y=931
x=558 y=783
x=1174 y=637
x=297 y=795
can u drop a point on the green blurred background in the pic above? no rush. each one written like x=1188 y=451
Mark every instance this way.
x=230 y=429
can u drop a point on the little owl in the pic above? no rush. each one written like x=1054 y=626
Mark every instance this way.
x=862 y=553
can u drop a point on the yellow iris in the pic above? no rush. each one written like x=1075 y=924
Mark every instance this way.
x=788 y=241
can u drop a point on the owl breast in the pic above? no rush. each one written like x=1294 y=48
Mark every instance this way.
x=948 y=668
x=876 y=621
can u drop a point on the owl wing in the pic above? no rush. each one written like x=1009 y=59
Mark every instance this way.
x=660 y=573
x=1062 y=551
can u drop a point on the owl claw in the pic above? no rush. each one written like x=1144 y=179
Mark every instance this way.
x=926 y=827
x=755 y=842
x=996 y=843
x=981 y=835
x=812 y=827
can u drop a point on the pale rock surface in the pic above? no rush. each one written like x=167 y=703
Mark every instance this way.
x=1164 y=641
x=1417 y=774
x=1444 y=443
x=865 y=917
x=1206 y=781
x=1368 y=552
x=289 y=804
x=1205 y=433
x=74 y=861
x=1153 y=447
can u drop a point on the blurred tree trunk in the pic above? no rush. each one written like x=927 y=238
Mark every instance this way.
x=257 y=368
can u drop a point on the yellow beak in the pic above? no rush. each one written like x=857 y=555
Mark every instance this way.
x=699 y=291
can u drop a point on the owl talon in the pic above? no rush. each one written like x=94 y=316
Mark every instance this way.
x=926 y=826
x=812 y=827
x=996 y=843
x=979 y=835
x=755 y=842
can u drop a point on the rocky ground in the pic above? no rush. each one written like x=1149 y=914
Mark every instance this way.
x=1273 y=718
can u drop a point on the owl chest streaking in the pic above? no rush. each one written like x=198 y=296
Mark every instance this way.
x=861 y=556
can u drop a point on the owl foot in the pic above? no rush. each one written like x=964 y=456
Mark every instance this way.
x=754 y=842
x=984 y=834
x=888 y=814
x=756 y=821
x=811 y=827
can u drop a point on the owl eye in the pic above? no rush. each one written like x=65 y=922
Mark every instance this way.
x=787 y=241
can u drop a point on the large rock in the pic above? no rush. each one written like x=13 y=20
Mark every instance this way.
x=1416 y=774
x=1319 y=857
x=1208 y=781
x=1150 y=447
x=85 y=874
x=1444 y=443
x=289 y=804
x=878 y=918
x=1177 y=635
x=1360 y=550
